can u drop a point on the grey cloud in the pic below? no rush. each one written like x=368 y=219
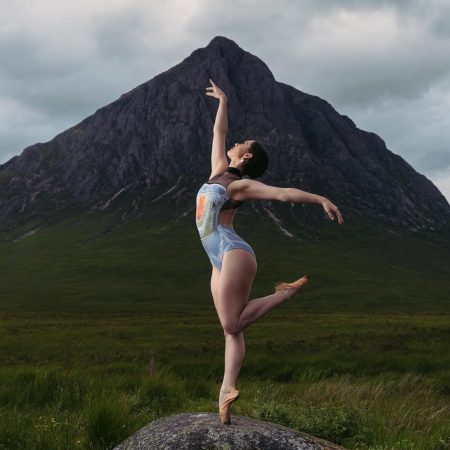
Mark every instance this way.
x=117 y=36
x=34 y=78
x=374 y=82
x=435 y=160
x=404 y=7
x=435 y=13
x=440 y=25
x=25 y=58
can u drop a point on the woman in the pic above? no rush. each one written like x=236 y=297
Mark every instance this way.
x=233 y=260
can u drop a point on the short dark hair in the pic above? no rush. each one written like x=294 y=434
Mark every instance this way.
x=257 y=165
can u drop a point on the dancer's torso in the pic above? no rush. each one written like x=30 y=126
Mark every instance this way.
x=213 y=204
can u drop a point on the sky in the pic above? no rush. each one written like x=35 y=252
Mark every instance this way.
x=384 y=63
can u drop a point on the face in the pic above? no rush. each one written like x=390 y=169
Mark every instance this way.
x=239 y=150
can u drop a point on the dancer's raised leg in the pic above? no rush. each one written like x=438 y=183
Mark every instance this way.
x=236 y=277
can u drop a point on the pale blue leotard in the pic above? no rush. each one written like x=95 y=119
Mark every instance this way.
x=211 y=199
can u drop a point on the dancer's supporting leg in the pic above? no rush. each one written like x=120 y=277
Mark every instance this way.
x=234 y=343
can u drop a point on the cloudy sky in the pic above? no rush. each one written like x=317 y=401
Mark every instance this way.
x=384 y=63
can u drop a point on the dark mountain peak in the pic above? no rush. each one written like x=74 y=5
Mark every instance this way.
x=223 y=59
x=151 y=149
x=235 y=70
x=224 y=44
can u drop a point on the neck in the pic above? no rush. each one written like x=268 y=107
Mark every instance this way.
x=236 y=163
x=234 y=170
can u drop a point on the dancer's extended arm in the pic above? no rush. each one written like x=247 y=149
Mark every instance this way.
x=255 y=190
x=219 y=161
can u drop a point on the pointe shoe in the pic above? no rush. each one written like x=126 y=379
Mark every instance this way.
x=294 y=285
x=224 y=409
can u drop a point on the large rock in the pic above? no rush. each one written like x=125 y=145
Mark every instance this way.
x=203 y=431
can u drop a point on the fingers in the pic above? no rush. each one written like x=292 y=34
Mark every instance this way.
x=213 y=87
x=339 y=216
x=213 y=91
x=334 y=210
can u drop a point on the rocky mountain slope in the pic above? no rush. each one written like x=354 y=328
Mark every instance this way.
x=151 y=147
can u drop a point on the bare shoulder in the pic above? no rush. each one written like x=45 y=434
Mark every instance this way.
x=247 y=189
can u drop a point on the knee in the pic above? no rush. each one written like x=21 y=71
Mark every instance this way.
x=231 y=327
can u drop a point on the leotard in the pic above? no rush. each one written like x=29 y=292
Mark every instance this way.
x=211 y=199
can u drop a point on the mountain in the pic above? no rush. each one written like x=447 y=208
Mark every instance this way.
x=147 y=153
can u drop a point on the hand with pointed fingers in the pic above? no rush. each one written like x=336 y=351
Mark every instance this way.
x=332 y=209
x=215 y=91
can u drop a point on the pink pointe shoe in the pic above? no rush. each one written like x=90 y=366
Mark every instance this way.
x=294 y=285
x=224 y=409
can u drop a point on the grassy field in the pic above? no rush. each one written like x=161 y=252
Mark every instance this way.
x=105 y=329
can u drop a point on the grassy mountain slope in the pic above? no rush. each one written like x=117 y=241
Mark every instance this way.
x=88 y=264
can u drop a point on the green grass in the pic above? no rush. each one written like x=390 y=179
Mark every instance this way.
x=103 y=333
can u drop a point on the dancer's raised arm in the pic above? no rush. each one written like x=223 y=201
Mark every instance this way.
x=219 y=161
x=255 y=190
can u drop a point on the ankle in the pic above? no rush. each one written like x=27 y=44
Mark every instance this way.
x=226 y=389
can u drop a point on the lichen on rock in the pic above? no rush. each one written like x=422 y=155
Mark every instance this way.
x=203 y=431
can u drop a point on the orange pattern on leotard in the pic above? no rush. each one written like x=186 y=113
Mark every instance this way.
x=200 y=207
